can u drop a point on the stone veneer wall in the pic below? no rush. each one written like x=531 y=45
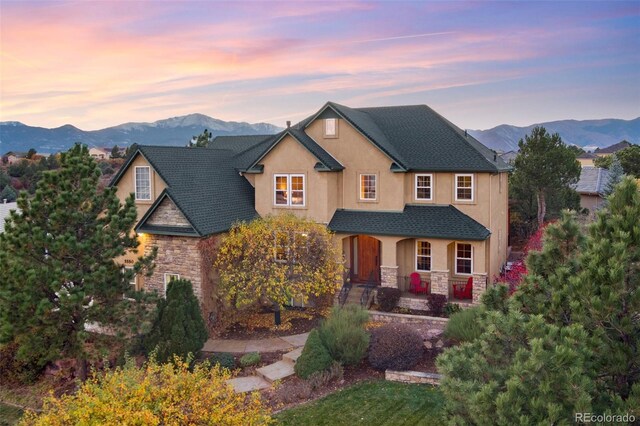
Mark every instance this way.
x=176 y=255
x=479 y=287
x=431 y=322
x=389 y=276
x=168 y=213
x=440 y=282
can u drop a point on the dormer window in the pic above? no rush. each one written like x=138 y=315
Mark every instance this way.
x=331 y=127
x=288 y=190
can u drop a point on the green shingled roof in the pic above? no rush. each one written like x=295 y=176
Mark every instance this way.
x=417 y=138
x=424 y=221
x=203 y=184
x=326 y=162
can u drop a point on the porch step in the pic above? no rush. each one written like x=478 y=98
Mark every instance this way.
x=276 y=371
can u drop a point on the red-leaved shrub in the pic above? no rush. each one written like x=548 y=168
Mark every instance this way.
x=395 y=347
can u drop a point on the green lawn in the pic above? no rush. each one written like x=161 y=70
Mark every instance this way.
x=9 y=415
x=371 y=403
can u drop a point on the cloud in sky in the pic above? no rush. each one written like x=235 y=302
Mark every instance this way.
x=101 y=63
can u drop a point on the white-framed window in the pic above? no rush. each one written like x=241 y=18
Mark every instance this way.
x=289 y=190
x=143 y=182
x=464 y=259
x=168 y=277
x=464 y=187
x=368 y=187
x=330 y=127
x=424 y=187
x=423 y=256
x=282 y=246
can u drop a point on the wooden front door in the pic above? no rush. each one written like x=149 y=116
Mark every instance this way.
x=365 y=255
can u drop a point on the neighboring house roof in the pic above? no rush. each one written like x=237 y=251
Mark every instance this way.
x=237 y=143
x=5 y=208
x=417 y=138
x=593 y=181
x=426 y=221
x=613 y=148
x=202 y=183
x=326 y=162
x=586 y=156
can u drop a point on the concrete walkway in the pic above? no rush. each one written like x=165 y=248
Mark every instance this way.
x=273 y=344
x=269 y=373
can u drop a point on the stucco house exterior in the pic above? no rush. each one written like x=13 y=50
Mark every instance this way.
x=402 y=188
x=591 y=187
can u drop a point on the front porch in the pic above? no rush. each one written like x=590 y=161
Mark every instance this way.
x=417 y=266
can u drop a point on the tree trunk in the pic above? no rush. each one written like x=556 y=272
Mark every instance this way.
x=276 y=314
x=81 y=368
x=542 y=208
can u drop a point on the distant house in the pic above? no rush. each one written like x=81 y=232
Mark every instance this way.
x=586 y=159
x=591 y=185
x=100 y=153
x=5 y=208
x=604 y=152
x=14 y=157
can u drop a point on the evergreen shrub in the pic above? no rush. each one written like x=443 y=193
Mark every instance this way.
x=223 y=359
x=252 y=358
x=314 y=358
x=179 y=328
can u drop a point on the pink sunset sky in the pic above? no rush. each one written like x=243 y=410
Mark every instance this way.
x=96 y=64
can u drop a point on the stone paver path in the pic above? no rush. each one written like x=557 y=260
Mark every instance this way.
x=269 y=373
x=285 y=343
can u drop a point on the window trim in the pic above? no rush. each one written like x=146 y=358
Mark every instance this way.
x=166 y=283
x=420 y=255
x=430 y=187
x=289 y=177
x=335 y=128
x=464 y=258
x=360 y=187
x=135 y=183
x=456 y=187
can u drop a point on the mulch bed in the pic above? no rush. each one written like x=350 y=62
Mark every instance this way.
x=261 y=325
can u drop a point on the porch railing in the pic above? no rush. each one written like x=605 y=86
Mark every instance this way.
x=346 y=288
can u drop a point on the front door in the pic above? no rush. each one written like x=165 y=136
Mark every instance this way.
x=365 y=255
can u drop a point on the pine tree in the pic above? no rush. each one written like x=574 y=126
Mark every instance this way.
x=9 y=194
x=547 y=290
x=179 y=328
x=615 y=176
x=57 y=264
x=608 y=289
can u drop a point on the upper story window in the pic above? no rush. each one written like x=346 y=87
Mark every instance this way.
x=464 y=261
x=368 y=187
x=464 y=187
x=423 y=256
x=424 y=187
x=143 y=183
x=289 y=190
x=331 y=127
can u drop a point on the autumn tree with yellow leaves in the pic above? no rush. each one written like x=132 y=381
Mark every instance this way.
x=276 y=258
x=155 y=394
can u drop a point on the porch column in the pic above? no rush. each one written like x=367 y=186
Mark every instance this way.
x=440 y=282
x=479 y=286
x=389 y=276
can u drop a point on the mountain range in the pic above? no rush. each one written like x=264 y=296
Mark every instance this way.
x=587 y=134
x=177 y=131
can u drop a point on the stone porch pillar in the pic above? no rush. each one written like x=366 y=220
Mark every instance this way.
x=479 y=287
x=440 y=282
x=389 y=276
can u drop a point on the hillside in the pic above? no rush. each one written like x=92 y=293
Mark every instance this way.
x=589 y=134
x=176 y=131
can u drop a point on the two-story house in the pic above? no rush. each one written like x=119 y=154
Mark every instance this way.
x=403 y=189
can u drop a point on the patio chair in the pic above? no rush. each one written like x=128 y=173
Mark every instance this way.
x=463 y=291
x=415 y=284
